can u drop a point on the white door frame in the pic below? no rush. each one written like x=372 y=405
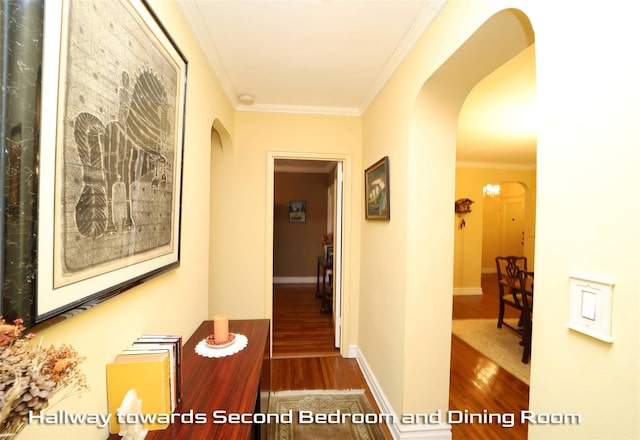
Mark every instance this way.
x=272 y=156
x=337 y=252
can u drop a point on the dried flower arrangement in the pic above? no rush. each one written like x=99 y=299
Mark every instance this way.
x=30 y=375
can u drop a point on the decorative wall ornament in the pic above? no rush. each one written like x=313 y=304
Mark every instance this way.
x=462 y=207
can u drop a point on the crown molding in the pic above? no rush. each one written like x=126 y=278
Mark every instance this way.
x=300 y=109
x=496 y=166
x=424 y=19
x=194 y=17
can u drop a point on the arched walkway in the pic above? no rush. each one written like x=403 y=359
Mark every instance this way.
x=431 y=168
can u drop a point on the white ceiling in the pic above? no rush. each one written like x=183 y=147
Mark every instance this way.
x=334 y=56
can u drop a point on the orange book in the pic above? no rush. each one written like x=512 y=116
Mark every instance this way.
x=149 y=375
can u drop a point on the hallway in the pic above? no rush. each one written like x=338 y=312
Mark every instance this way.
x=304 y=358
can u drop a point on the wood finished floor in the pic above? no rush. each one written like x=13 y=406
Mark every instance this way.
x=479 y=385
x=304 y=358
x=299 y=329
x=304 y=355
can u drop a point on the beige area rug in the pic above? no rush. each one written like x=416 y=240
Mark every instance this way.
x=501 y=345
x=322 y=414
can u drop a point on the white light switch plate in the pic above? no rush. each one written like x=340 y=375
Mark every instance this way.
x=590 y=307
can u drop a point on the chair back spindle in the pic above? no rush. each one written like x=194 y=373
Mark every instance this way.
x=526 y=288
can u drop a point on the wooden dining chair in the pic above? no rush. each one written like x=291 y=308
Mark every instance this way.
x=526 y=288
x=509 y=287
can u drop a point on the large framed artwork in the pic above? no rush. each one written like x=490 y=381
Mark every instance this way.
x=113 y=99
x=376 y=190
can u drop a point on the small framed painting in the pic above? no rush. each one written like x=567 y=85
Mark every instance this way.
x=376 y=190
x=297 y=211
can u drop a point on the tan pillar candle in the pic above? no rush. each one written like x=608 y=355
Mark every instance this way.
x=221 y=328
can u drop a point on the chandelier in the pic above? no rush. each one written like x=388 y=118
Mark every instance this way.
x=491 y=190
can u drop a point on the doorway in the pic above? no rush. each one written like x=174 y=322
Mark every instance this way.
x=501 y=160
x=505 y=223
x=512 y=224
x=302 y=324
x=433 y=147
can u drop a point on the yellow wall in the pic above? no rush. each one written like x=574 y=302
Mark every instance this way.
x=468 y=244
x=241 y=260
x=587 y=95
x=414 y=297
x=587 y=161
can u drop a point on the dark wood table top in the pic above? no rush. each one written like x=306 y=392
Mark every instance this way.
x=228 y=384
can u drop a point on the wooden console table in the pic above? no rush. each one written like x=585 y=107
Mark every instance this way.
x=236 y=384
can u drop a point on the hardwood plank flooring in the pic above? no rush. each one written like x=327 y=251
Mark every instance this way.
x=321 y=373
x=304 y=358
x=483 y=306
x=299 y=329
x=316 y=373
x=304 y=355
x=477 y=384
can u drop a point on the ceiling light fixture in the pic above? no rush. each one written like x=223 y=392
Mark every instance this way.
x=491 y=190
x=246 y=99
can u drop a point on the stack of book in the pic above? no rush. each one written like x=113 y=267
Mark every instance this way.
x=152 y=366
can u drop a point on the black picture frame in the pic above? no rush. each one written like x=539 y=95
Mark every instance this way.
x=297 y=211
x=106 y=200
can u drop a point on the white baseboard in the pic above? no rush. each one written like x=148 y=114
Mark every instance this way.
x=440 y=431
x=295 y=280
x=467 y=290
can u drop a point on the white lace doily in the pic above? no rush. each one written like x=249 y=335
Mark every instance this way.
x=238 y=344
